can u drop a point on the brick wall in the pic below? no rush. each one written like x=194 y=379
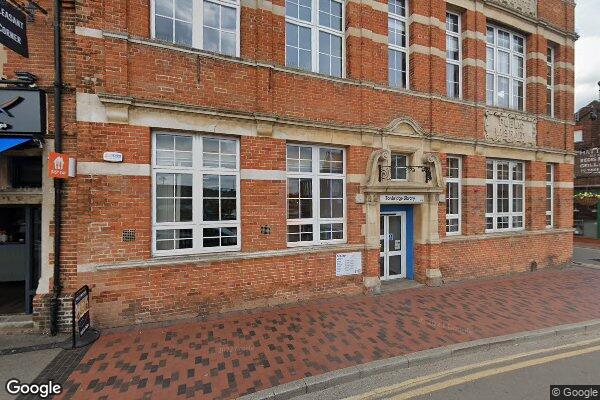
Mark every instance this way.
x=114 y=54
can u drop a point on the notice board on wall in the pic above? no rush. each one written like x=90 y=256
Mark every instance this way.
x=348 y=264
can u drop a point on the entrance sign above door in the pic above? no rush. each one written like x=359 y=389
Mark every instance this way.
x=402 y=199
x=348 y=264
x=13 y=28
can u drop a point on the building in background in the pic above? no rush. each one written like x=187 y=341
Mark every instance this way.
x=587 y=170
x=236 y=154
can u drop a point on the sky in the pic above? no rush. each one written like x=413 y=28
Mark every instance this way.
x=587 y=52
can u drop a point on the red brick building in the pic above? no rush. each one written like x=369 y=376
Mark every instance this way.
x=587 y=143
x=274 y=151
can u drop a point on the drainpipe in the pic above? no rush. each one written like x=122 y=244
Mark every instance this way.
x=58 y=183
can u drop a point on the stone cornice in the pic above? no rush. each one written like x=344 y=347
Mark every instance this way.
x=109 y=100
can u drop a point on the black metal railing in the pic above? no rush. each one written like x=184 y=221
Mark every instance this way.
x=385 y=172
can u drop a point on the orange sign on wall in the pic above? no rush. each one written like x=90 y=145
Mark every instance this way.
x=60 y=166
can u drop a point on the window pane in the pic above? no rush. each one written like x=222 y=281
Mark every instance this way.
x=331 y=161
x=452 y=22
x=399 y=171
x=396 y=32
x=489 y=205
x=397 y=7
x=173 y=197
x=518 y=95
x=490 y=35
x=452 y=225
x=165 y=210
x=452 y=80
x=330 y=14
x=503 y=169
x=518 y=69
x=490 y=89
x=502 y=202
x=517 y=221
x=228 y=43
x=183 y=10
x=518 y=172
x=503 y=91
x=397 y=68
x=298 y=47
x=452 y=49
x=211 y=15
x=163 y=28
x=517 y=198
x=211 y=39
x=299 y=159
x=215 y=237
x=299 y=198
x=490 y=61
x=332 y=231
x=228 y=18
x=300 y=233
x=331 y=198
x=170 y=239
x=503 y=62
x=330 y=54
x=183 y=33
x=164 y=8
x=219 y=28
x=453 y=164
x=518 y=44
x=503 y=39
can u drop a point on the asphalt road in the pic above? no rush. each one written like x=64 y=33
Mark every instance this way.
x=512 y=372
x=586 y=255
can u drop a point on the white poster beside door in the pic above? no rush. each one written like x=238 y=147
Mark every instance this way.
x=348 y=264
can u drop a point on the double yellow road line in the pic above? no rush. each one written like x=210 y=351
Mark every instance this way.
x=441 y=380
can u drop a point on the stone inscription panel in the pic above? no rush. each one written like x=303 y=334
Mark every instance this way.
x=510 y=128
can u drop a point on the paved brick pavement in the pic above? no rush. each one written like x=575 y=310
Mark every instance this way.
x=230 y=356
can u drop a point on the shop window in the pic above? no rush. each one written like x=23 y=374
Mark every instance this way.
x=26 y=172
x=505 y=195
x=316 y=195
x=208 y=25
x=13 y=228
x=314 y=36
x=196 y=194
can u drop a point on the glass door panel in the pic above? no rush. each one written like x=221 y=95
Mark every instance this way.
x=392 y=262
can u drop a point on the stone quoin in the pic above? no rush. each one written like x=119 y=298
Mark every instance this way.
x=266 y=152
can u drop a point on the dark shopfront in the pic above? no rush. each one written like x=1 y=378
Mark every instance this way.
x=22 y=129
x=20 y=242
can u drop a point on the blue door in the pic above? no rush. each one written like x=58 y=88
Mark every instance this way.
x=396 y=242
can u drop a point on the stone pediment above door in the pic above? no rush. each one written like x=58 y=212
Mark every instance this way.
x=404 y=127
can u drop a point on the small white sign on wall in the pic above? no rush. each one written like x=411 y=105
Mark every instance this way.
x=402 y=199
x=348 y=264
x=112 y=156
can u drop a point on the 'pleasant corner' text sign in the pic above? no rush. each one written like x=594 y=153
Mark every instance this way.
x=13 y=28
